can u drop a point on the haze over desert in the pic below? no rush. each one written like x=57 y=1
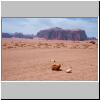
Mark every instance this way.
x=30 y=60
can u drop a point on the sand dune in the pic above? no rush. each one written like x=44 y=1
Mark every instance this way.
x=29 y=60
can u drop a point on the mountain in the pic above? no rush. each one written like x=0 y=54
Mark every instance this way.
x=55 y=33
x=17 y=35
x=62 y=34
x=6 y=35
x=92 y=38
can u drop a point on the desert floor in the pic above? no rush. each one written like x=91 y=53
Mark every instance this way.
x=30 y=60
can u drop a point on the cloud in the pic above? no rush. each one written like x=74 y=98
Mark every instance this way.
x=33 y=25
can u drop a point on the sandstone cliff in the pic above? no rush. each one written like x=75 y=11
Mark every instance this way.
x=62 y=34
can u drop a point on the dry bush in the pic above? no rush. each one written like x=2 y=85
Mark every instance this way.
x=9 y=46
x=23 y=44
x=86 y=46
x=59 y=45
x=93 y=42
x=39 y=44
x=74 y=47
x=16 y=44
x=4 y=44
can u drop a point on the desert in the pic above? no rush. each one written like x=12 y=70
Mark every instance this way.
x=30 y=60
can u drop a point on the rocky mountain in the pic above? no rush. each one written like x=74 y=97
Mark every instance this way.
x=55 y=33
x=62 y=34
x=17 y=35
x=6 y=35
x=92 y=38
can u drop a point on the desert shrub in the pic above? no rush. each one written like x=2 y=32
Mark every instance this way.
x=10 y=46
x=93 y=42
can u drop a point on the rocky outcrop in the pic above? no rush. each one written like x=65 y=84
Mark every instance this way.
x=6 y=35
x=17 y=35
x=62 y=34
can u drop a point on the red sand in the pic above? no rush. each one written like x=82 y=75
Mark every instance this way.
x=29 y=60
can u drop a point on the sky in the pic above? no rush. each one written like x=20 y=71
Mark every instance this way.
x=33 y=25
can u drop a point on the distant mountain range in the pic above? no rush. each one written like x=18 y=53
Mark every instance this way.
x=55 y=33
x=17 y=35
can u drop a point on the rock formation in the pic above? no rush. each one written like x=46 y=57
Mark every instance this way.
x=62 y=34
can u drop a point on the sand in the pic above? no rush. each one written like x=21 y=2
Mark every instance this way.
x=30 y=60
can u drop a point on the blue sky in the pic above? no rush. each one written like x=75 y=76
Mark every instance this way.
x=33 y=25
